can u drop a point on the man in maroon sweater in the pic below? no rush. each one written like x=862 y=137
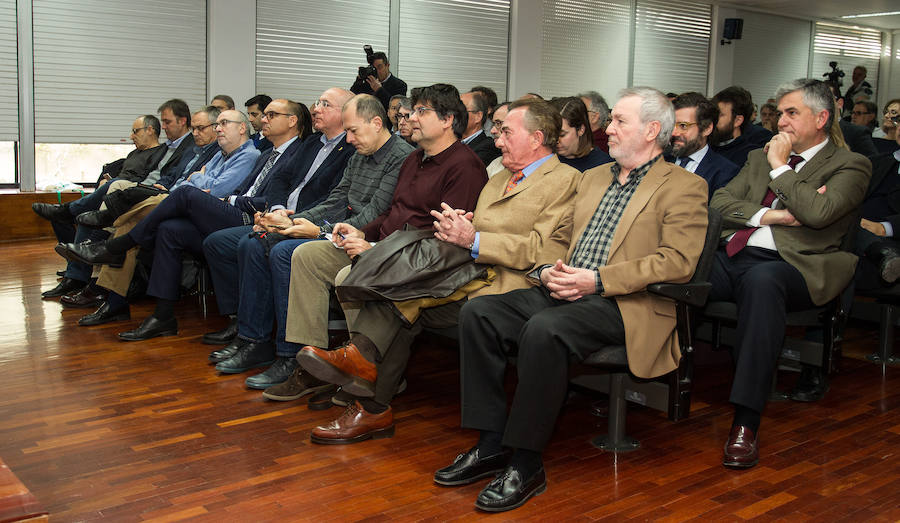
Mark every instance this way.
x=443 y=169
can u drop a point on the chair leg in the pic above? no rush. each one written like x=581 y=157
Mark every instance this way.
x=616 y=440
x=885 y=337
x=202 y=289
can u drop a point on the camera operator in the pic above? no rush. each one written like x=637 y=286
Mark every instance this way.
x=378 y=80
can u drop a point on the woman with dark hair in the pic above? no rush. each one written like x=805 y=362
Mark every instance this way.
x=576 y=143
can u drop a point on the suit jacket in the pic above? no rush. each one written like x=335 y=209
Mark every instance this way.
x=179 y=159
x=814 y=248
x=883 y=145
x=527 y=227
x=322 y=181
x=261 y=142
x=483 y=146
x=716 y=170
x=659 y=239
x=858 y=138
x=882 y=203
x=389 y=88
x=258 y=202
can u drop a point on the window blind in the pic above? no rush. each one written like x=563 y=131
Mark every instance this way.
x=848 y=46
x=9 y=83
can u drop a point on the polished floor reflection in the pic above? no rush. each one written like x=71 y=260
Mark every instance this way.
x=103 y=430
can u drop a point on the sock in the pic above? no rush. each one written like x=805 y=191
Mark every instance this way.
x=165 y=309
x=490 y=443
x=365 y=346
x=528 y=462
x=116 y=301
x=120 y=245
x=747 y=417
x=371 y=406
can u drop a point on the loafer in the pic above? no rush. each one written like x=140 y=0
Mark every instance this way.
x=741 y=449
x=812 y=384
x=227 y=351
x=344 y=366
x=224 y=336
x=88 y=297
x=510 y=490
x=99 y=219
x=250 y=356
x=54 y=212
x=105 y=315
x=299 y=384
x=355 y=425
x=91 y=253
x=278 y=373
x=470 y=466
x=65 y=286
x=151 y=328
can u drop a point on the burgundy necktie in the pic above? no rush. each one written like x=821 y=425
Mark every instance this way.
x=740 y=238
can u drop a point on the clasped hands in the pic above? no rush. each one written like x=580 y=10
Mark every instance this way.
x=454 y=226
x=280 y=221
x=568 y=283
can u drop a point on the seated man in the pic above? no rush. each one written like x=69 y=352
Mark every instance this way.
x=254 y=283
x=522 y=221
x=181 y=221
x=474 y=136
x=695 y=117
x=876 y=241
x=735 y=135
x=255 y=108
x=785 y=216
x=636 y=222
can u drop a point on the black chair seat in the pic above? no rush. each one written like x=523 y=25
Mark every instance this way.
x=726 y=310
x=609 y=356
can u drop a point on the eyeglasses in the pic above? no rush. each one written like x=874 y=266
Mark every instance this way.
x=135 y=131
x=201 y=128
x=496 y=124
x=322 y=103
x=403 y=116
x=222 y=123
x=684 y=126
x=272 y=114
x=420 y=111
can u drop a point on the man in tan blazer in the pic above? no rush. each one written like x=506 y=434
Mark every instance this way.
x=785 y=215
x=521 y=221
x=637 y=221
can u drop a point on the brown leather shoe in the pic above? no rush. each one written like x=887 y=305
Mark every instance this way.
x=355 y=425
x=741 y=450
x=343 y=366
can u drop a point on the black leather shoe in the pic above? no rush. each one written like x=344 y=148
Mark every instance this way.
x=89 y=297
x=279 y=372
x=887 y=257
x=471 y=466
x=91 y=253
x=510 y=490
x=104 y=315
x=151 y=328
x=54 y=212
x=227 y=351
x=65 y=286
x=248 y=357
x=812 y=384
x=223 y=336
x=96 y=219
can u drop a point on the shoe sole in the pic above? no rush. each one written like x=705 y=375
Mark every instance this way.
x=217 y=341
x=537 y=492
x=72 y=257
x=245 y=369
x=120 y=317
x=387 y=432
x=467 y=481
x=324 y=371
x=739 y=465
x=164 y=333
x=81 y=305
x=305 y=392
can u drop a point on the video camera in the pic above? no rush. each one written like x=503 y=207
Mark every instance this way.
x=369 y=70
x=835 y=75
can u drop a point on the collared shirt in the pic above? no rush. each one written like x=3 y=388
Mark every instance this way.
x=592 y=249
x=173 y=144
x=469 y=139
x=694 y=159
x=224 y=172
x=280 y=149
x=762 y=237
x=189 y=168
x=327 y=147
x=530 y=168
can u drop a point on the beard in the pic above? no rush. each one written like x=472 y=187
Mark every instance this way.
x=722 y=135
x=689 y=147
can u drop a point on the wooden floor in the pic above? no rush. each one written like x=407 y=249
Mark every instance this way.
x=103 y=430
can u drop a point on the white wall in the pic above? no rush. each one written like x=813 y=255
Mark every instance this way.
x=231 y=49
x=525 y=42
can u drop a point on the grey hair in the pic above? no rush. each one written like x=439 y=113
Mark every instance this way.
x=212 y=112
x=655 y=107
x=816 y=95
x=598 y=104
x=248 y=127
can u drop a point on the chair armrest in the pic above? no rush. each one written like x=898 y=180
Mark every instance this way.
x=691 y=293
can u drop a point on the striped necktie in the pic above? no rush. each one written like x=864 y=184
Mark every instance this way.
x=264 y=173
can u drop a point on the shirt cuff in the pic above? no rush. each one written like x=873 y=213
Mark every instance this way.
x=756 y=218
x=475 y=245
x=276 y=207
x=888 y=229
x=775 y=173
x=598 y=282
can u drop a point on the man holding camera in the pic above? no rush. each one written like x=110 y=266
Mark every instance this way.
x=377 y=80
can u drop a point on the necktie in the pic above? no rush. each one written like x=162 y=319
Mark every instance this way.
x=262 y=174
x=740 y=238
x=684 y=161
x=513 y=181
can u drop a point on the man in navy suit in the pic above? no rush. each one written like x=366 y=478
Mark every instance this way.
x=695 y=117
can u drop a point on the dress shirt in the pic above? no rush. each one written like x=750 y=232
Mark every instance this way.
x=694 y=159
x=225 y=172
x=530 y=168
x=327 y=147
x=469 y=139
x=280 y=149
x=173 y=144
x=762 y=237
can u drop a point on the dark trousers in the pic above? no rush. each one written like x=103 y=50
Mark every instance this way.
x=221 y=251
x=82 y=271
x=765 y=288
x=546 y=335
x=92 y=201
x=868 y=271
x=179 y=223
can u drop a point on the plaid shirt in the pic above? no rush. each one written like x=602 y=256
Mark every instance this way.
x=592 y=248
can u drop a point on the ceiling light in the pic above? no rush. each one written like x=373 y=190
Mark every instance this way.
x=870 y=15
